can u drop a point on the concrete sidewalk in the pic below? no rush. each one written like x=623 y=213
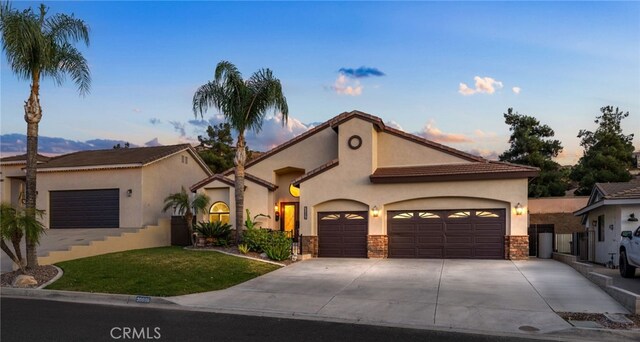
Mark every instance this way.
x=491 y=296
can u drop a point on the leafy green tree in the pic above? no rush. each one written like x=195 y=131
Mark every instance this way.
x=531 y=144
x=607 y=152
x=244 y=104
x=182 y=204
x=38 y=46
x=15 y=223
x=219 y=143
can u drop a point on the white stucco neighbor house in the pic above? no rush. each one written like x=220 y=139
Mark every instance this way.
x=115 y=188
x=354 y=187
x=611 y=209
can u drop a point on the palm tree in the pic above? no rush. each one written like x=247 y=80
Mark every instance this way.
x=14 y=223
x=244 y=104
x=181 y=203
x=39 y=46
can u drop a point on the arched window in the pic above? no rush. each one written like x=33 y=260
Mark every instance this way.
x=219 y=211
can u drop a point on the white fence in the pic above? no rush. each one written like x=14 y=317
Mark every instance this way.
x=563 y=243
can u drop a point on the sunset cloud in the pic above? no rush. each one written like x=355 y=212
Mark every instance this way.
x=516 y=90
x=346 y=86
x=431 y=132
x=483 y=85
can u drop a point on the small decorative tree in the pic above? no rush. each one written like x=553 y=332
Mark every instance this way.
x=14 y=224
x=182 y=204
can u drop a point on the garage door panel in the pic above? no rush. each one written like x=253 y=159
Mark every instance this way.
x=99 y=208
x=342 y=234
x=461 y=233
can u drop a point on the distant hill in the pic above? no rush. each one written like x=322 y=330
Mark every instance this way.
x=17 y=143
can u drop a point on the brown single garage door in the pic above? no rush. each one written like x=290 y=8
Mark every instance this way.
x=466 y=234
x=84 y=209
x=342 y=234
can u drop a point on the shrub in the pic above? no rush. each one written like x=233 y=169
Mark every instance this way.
x=255 y=239
x=217 y=230
x=278 y=246
x=243 y=248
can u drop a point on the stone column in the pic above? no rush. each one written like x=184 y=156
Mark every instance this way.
x=516 y=247
x=377 y=246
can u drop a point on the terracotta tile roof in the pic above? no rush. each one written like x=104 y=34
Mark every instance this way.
x=451 y=172
x=315 y=172
x=230 y=182
x=23 y=158
x=123 y=156
x=218 y=177
x=620 y=190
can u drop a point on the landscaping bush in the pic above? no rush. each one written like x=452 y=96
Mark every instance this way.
x=218 y=232
x=278 y=246
x=256 y=239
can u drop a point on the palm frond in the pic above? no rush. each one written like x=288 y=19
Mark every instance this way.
x=200 y=203
x=62 y=29
x=68 y=60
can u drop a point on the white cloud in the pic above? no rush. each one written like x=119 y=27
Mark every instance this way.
x=516 y=90
x=486 y=85
x=347 y=86
x=431 y=132
x=137 y=110
x=394 y=124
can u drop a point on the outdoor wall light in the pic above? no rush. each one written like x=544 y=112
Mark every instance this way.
x=632 y=218
x=276 y=209
x=375 y=211
x=611 y=226
x=519 y=209
x=129 y=193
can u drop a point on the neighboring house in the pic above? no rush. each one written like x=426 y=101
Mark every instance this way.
x=612 y=208
x=555 y=214
x=116 y=188
x=13 y=177
x=354 y=187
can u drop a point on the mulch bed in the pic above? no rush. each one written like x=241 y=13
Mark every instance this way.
x=601 y=319
x=234 y=250
x=42 y=274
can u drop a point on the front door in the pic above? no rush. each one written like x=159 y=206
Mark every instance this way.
x=289 y=222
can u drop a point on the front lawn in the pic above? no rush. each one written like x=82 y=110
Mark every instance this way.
x=164 y=271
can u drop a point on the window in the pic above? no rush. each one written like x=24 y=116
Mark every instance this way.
x=486 y=214
x=460 y=214
x=353 y=217
x=403 y=216
x=219 y=211
x=428 y=215
x=294 y=191
x=601 y=228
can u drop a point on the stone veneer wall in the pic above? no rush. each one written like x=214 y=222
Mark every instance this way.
x=516 y=247
x=377 y=246
x=310 y=245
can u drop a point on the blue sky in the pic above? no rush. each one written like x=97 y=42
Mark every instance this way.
x=450 y=70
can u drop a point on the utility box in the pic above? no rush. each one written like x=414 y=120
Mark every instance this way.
x=545 y=245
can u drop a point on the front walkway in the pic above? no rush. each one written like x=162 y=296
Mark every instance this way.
x=495 y=296
x=63 y=239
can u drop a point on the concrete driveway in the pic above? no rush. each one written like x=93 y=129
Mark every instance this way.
x=63 y=239
x=496 y=296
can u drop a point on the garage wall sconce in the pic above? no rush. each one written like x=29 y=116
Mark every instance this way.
x=632 y=218
x=519 y=209
x=375 y=212
x=276 y=210
x=129 y=193
x=611 y=226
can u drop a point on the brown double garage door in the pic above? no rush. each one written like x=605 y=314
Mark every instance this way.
x=466 y=234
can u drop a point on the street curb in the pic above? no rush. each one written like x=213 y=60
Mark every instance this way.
x=235 y=255
x=86 y=297
x=51 y=281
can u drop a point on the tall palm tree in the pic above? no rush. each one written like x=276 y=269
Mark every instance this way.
x=181 y=203
x=38 y=46
x=244 y=104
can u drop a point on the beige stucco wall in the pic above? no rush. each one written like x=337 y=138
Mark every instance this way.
x=164 y=177
x=131 y=210
x=258 y=199
x=9 y=188
x=396 y=151
x=557 y=204
x=308 y=154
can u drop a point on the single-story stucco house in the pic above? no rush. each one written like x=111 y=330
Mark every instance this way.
x=116 y=188
x=355 y=187
x=611 y=209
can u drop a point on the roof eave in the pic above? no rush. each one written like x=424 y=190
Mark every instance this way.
x=450 y=177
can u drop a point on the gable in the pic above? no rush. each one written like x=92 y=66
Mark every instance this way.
x=394 y=150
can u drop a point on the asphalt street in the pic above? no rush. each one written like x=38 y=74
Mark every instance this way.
x=41 y=320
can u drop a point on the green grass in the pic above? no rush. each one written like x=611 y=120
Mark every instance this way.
x=164 y=271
